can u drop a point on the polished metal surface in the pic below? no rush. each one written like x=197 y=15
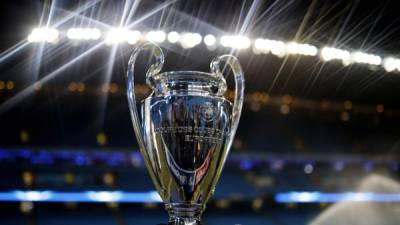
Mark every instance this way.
x=186 y=131
x=186 y=139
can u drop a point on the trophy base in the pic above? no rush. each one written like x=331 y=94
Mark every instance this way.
x=184 y=214
x=181 y=223
x=185 y=223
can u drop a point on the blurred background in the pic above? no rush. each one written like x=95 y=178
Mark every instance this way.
x=318 y=141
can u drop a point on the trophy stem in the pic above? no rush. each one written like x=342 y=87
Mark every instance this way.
x=184 y=214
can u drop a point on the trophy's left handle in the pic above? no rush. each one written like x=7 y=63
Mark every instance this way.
x=155 y=68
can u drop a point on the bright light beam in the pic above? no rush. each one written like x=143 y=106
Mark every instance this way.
x=43 y=34
x=189 y=40
x=13 y=50
x=101 y=24
x=210 y=40
x=235 y=41
x=24 y=93
x=114 y=49
x=22 y=44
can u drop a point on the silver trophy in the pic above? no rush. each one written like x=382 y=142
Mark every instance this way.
x=186 y=132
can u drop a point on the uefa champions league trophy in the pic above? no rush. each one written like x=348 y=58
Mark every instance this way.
x=186 y=131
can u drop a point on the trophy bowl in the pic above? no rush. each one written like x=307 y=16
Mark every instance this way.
x=185 y=131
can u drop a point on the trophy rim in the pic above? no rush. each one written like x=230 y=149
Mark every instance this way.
x=222 y=98
x=175 y=74
x=185 y=71
x=190 y=76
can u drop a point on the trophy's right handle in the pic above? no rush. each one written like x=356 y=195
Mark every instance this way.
x=154 y=69
x=237 y=70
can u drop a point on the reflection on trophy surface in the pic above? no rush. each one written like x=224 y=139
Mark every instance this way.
x=186 y=137
x=186 y=132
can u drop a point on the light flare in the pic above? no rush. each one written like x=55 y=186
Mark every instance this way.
x=189 y=40
x=173 y=37
x=301 y=49
x=210 y=40
x=235 y=41
x=362 y=57
x=330 y=53
x=157 y=36
x=120 y=35
x=83 y=33
x=43 y=34
x=391 y=64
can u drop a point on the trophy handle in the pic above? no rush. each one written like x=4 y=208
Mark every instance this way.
x=154 y=69
x=233 y=62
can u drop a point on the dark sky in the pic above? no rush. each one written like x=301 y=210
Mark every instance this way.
x=371 y=26
x=355 y=24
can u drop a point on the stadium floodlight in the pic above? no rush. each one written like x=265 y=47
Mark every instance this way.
x=72 y=33
x=173 y=37
x=209 y=40
x=43 y=34
x=132 y=37
x=265 y=46
x=361 y=57
x=277 y=48
x=83 y=33
x=116 y=35
x=226 y=41
x=261 y=45
x=293 y=48
x=93 y=34
x=156 y=36
x=235 y=41
x=301 y=49
x=310 y=50
x=32 y=38
x=50 y=35
x=329 y=53
x=189 y=40
x=390 y=64
x=120 y=35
